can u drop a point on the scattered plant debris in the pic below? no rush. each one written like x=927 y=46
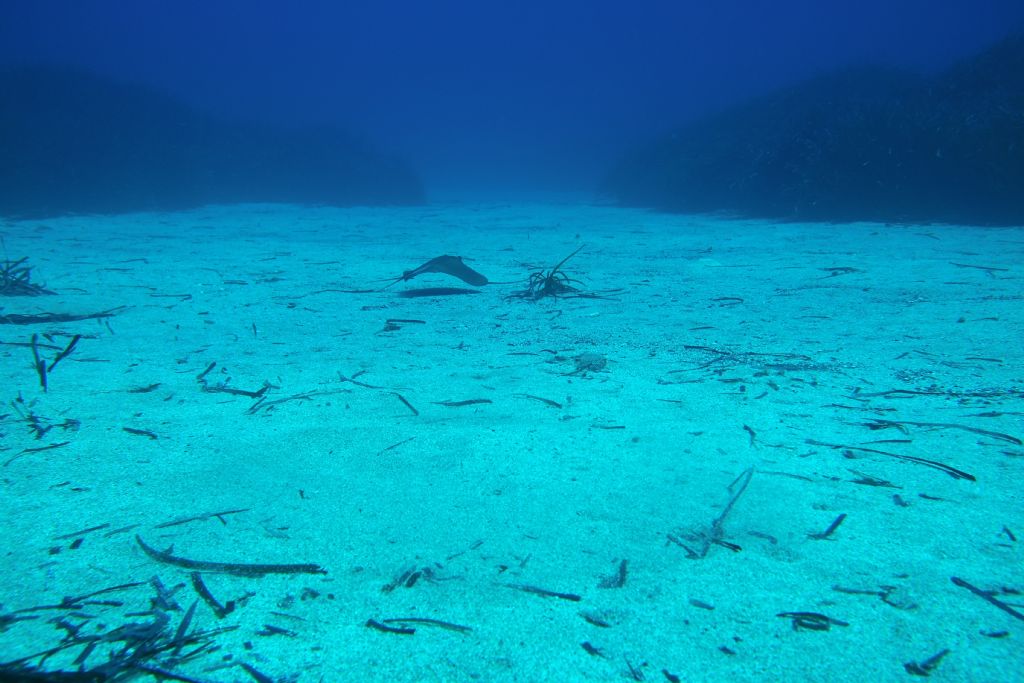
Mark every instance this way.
x=16 y=280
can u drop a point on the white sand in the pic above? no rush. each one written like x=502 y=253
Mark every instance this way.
x=517 y=491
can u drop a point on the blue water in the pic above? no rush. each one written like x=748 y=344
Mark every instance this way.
x=481 y=101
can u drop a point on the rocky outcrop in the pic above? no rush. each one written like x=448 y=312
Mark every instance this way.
x=72 y=142
x=861 y=144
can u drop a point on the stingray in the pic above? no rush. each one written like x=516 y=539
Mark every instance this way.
x=447 y=265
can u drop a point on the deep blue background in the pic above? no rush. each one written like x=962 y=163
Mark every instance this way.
x=495 y=99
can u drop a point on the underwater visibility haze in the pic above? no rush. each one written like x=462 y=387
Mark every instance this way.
x=511 y=341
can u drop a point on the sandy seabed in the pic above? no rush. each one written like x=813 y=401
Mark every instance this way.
x=504 y=511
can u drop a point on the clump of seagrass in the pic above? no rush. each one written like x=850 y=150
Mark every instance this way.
x=16 y=280
x=556 y=284
x=153 y=647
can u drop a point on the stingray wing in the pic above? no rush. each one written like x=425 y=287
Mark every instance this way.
x=448 y=265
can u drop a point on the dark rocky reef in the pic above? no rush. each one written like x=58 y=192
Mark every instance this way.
x=72 y=142
x=861 y=144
